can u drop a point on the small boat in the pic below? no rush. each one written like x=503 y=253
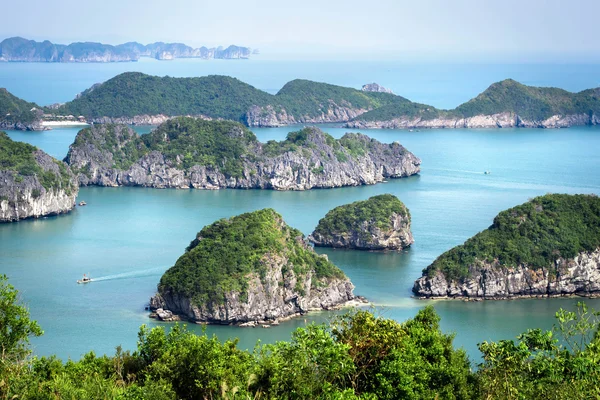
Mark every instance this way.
x=487 y=172
x=85 y=279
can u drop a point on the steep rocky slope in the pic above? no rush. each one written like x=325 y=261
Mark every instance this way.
x=248 y=269
x=549 y=246
x=194 y=153
x=18 y=114
x=379 y=223
x=32 y=184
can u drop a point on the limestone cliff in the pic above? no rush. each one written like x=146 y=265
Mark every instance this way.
x=549 y=246
x=379 y=223
x=33 y=184
x=579 y=275
x=501 y=120
x=272 y=116
x=374 y=87
x=114 y=155
x=273 y=274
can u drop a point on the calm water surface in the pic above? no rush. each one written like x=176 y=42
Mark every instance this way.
x=128 y=237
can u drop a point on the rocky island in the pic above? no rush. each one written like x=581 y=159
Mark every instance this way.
x=378 y=223
x=249 y=269
x=18 y=49
x=33 y=184
x=504 y=104
x=136 y=98
x=194 y=153
x=19 y=114
x=549 y=246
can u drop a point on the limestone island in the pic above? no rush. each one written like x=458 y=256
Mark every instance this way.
x=249 y=269
x=547 y=247
x=188 y=153
x=378 y=223
x=33 y=184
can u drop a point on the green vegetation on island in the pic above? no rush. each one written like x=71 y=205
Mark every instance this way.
x=357 y=356
x=133 y=93
x=528 y=102
x=376 y=210
x=536 y=234
x=225 y=253
x=19 y=158
x=15 y=110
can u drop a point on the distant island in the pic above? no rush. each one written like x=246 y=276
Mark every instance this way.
x=187 y=152
x=33 y=183
x=18 y=49
x=549 y=246
x=249 y=269
x=379 y=223
x=135 y=98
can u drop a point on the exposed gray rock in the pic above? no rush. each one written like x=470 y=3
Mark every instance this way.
x=24 y=196
x=275 y=297
x=365 y=233
x=269 y=116
x=502 y=120
x=317 y=164
x=577 y=276
x=374 y=87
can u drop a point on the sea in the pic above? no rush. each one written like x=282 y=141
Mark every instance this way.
x=125 y=238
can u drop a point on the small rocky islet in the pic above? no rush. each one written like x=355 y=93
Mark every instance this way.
x=249 y=269
x=547 y=247
x=378 y=223
x=32 y=183
x=187 y=152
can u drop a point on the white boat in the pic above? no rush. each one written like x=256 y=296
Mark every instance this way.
x=85 y=279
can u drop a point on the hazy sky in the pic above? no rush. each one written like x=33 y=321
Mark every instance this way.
x=459 y=29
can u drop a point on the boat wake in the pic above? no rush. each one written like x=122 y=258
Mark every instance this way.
x=458 y=170
x=132 y=274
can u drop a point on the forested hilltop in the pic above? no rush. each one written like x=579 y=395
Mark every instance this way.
x=16 y=113
x=33 y=184
x=549 y=246
x=186 y=152
x=504 y=104
x=134 y=94
x=358 y=355
x=137 y=98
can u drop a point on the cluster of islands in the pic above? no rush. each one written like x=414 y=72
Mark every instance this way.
x=135 y=98
x=253 y=269
x=18 y=49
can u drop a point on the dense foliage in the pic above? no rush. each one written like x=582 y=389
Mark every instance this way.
x=189 y=142
x=215 y=96
x=225 y=253
x=376 y=210
x=358 y=356
x=19 y=158
x=14 y=109
x=531 y=103
x=536 y=234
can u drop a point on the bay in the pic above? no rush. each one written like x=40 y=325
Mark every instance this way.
x=128 y=237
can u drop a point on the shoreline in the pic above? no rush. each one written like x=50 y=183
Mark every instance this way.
x=594 y=295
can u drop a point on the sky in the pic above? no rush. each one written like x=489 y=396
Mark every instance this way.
x=525 y=30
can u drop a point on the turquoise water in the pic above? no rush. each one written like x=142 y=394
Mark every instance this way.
x=129 y=236
x=440 y=85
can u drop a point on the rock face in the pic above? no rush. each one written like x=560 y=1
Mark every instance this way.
x=277 y=287
x=25 y=196
x=548 y=246
x=318 y=161
x=379 y=223
x=374 y=87
x=269 y=116
x=502 y=120
x=579 y=275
